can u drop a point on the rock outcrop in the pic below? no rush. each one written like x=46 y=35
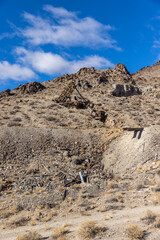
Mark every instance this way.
x=119 y=73
x=5 y=93
x=30 y=88
x=125 y=90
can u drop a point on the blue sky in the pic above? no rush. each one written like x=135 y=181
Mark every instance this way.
x=43 y=39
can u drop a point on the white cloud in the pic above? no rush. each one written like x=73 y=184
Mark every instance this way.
x=4 y=35
x=59 y=12
x=7 y=35
x=66 y=29
x=156 y=32
x=91 y=61
x=156 y=44
x=42 y=62
x=15 y=72
x=61 y=28
x=49 y=63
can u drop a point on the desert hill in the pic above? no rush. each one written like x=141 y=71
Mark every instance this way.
x=149 y=73
x=102 y=123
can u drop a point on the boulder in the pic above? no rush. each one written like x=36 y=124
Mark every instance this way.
x=125 y=90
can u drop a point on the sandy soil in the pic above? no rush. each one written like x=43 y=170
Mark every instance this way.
x=116 y=222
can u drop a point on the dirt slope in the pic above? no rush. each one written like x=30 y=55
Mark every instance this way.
x=133 y=149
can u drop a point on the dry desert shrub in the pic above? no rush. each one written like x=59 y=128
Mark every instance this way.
x=135 y=232
x=60 y=233
x=85 y=213
x=49 y=216
x=2 y=183
x=38 y=190
x=13 y=124
x=32 y=168
x=112 y=184
x=149 y=217
x=36 y=215
x=32 y=235
x=157 y=222
x=17 y=119
x=156 y=199
x=5 y=213
x=152 y=218
x=17 y=221
x=89 y=230
x=6 y=117
x=12 y=112
x=157 y=179
x=50 y=118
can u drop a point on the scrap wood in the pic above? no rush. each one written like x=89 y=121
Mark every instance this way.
x=63 y=174
x=46 y=168
x=68 y=183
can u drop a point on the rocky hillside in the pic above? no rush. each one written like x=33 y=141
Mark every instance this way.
x=102 y=123
x=150 y=75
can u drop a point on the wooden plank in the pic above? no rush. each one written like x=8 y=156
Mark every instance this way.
x=133 y=129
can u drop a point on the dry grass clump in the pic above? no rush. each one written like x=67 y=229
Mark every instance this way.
x=85 y=213
x=32 y=235
x=32 y=168
x=152 y=218
x=149 y=217
x=42 y=216
x=48 y=216
x=89 y=230
x=17 y=221
x=157 y=222
x=157 y=198
x=50 y=118
x=5 y=213
x=38 y=190
x=2 y=184
x=59 y=233
x=157 y=179
x=13 y=124
x=112 y=184
x=36 y=216
x=17 y=119
x=135 y=232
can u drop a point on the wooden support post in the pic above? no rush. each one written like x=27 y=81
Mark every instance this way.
x=80 y=174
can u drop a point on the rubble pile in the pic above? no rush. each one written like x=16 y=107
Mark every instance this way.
x=59 y=163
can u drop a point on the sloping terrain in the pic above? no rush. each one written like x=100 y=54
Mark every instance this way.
x=133 y=149
x=102 y=125
x=150 y=74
